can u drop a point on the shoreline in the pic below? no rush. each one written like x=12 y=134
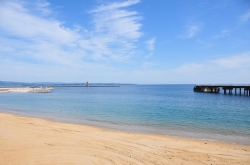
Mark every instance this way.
x=28 y=140
x=131 y=128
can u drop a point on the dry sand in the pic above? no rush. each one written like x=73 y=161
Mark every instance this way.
x=30 y=141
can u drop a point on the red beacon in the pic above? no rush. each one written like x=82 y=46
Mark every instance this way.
x=87 y=84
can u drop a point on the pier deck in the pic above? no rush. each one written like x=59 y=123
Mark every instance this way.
x=230 y=88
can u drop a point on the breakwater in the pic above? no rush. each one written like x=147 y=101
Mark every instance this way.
x=27 y=89
x=86 y=86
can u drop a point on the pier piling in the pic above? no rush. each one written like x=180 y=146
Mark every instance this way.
x=230 y=88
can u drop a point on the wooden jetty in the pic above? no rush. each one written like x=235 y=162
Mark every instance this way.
x=238 y=89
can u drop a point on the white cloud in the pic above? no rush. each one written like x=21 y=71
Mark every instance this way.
x=117 y=28
x=192 y=31
x=150 y=44
x=189 y=69
x=17 y=21
x=148 y=64
x=36 y=46
x=20 y=71
x=223 y=33
x=29 y=35
x=149 y=55
x=43 y=7
x=202 y=72
x=115 y=6
x=246 y=16
x=236 y=61
x=227 y=70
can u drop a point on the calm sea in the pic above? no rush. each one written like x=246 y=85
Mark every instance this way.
x=161 y=109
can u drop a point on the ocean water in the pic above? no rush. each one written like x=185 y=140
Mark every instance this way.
x=158 y=109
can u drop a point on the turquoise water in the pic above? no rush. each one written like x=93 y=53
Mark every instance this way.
x=161 y=109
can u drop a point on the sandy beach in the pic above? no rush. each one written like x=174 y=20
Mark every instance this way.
x=26 y=141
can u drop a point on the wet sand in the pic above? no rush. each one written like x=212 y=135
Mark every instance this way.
x=26 y=141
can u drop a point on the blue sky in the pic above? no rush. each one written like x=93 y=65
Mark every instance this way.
x=125 y=41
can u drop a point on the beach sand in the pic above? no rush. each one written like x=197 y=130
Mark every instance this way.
x=30 y=141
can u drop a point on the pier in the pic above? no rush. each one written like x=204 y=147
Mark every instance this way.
x=230 y=89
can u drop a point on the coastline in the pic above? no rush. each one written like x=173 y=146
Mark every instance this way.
x=26 y=140
x=26 y=89
x=144 y=109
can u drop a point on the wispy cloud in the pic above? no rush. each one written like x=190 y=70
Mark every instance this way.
x=245 y=17
x=116 y=27
x=223 y=33
x=192 y=31
x=224 y=70
x=38 y=36
x=149 y=55
x=31 y=36
x=17 y=21
x=115 y=6
x=43 y=7
x=189 y=69
x=236 y=61
x=221 y=70
x=148 y=64
x=150 y=44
